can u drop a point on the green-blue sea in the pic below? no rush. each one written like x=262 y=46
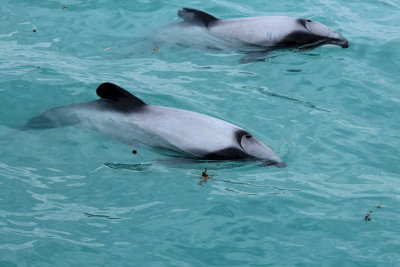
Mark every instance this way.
x=74 y=197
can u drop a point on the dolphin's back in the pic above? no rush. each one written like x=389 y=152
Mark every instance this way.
x=264 y=31
x=70 y=114
x=113 y=99
x=54 y=118
x=192 y=132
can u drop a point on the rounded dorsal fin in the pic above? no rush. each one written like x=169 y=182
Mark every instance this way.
x=122 y=98
x=196 y=16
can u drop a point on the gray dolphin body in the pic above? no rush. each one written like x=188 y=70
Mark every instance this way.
x=258 y=34
x=124 y=117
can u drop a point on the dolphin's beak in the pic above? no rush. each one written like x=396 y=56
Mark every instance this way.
x=343 y=43
x=340 y=42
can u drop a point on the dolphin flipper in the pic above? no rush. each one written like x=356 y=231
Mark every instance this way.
x=254 y=56
x=196 y=16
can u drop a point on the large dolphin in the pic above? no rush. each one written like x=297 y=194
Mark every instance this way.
x=256 y=35
x=124 y=117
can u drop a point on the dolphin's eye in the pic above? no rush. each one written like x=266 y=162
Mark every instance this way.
x=248 y=136
x=309 y=20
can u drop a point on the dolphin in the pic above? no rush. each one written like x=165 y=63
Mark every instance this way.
x=126 y=118
x=256 y=35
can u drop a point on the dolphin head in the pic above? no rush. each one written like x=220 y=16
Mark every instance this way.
x=254 y=148
x=321 y=33
x=309 y=34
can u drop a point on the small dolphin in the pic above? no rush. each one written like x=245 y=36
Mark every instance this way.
x=258 y=35
x=126 y=118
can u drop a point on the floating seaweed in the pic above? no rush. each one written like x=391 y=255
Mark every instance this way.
x=204 y=177
x=367 y=217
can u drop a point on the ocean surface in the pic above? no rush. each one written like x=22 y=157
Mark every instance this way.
x=74 y=197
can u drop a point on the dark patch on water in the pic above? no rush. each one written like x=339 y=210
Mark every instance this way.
x=101 y=216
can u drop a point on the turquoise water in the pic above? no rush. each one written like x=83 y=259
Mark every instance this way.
x=73 y=197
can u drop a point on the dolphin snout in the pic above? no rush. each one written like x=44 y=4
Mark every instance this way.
x=344 y=43
x=340 y=42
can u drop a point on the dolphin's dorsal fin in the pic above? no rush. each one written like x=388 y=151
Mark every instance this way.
x=196 y=16
x=122 y=98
